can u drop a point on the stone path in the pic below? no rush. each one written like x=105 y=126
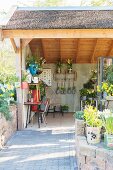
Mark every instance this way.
x=40 y=150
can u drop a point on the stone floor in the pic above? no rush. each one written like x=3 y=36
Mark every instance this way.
x=47 y=148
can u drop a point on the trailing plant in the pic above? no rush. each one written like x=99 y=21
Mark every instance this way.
x=42 y=87
x=34 y=60
x=91 y=117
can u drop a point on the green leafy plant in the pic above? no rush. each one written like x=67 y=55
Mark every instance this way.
x=106 y=87
x=91 y=117
x=79 y=115
x=4 y=108
x=65 y=107
x=69 y=63
x=83 y=92
x=42 y=87
x=109 y=74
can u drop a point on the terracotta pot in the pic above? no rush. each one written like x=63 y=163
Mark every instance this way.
x=93 y=135
x=36 y=98
x=24 y=85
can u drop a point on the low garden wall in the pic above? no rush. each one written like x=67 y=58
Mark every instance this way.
x=8 y=127
x=93 y=157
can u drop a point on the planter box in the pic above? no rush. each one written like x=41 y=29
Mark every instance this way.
x=108 y=140
x=24 y=85
x=79 y=127
x=93 y=135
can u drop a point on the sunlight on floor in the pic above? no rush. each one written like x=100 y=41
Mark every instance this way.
x=58 y=124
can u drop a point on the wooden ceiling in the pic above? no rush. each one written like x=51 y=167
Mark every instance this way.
x=80 y=50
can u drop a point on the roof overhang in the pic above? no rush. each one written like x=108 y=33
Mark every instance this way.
x=57 y=33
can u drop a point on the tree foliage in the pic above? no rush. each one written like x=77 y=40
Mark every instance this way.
x=41 y=3
x=97 y=3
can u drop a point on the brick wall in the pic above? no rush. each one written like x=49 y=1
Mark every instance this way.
x=93 y=157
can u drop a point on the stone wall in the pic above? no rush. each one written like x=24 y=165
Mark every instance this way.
x=93 y=157
x=7 y=128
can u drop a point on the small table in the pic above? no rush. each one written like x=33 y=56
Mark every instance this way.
x=29 y=104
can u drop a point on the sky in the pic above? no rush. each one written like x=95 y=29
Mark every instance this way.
x=5 y=5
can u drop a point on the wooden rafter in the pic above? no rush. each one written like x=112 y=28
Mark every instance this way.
x=43 y=48
x=77 y=51
x=14 y=45
x=94 y=51
x=110 y=49
x=25 y=42
x=59 y=33
x=60 y=50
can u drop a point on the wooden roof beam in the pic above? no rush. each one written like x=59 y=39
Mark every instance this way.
x=25 y=42
x=110 y=49
x=14 y=45
x=59 y=33
x=94 y=51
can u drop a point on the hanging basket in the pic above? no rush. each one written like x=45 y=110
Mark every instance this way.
x=24 y=85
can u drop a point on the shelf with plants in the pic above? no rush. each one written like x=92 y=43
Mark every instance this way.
x=88 y=94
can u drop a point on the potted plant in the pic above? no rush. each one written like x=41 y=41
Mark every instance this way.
x=40 y=61
x=69 y=65
x=79 y=122
x=59 y=65
x=34 y=64
x=107 y=118
x=65 y=108
x=83 y=93
x=107 y=88
x=24 y=84
x=93 y=124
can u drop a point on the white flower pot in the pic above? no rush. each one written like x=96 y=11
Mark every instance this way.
x=109 y=97
x=93 y=135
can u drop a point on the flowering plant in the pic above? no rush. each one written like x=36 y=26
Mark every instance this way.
x=106 y=87
x=69 y=63
x=91 y=117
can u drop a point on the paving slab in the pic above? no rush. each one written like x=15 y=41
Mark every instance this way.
x=40 y=150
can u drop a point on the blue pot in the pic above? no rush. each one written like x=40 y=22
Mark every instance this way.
x=33 y=69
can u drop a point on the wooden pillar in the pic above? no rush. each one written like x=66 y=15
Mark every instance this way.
x=19 y=90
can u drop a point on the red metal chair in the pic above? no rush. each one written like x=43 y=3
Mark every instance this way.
x=42 y=114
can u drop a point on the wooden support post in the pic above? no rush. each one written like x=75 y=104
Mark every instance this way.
x=19 y=90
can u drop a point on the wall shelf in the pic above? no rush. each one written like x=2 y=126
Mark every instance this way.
x=65 y=76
